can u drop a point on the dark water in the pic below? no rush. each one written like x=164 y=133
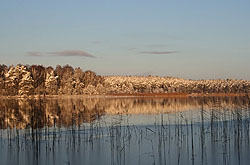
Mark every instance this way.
x=200 y=130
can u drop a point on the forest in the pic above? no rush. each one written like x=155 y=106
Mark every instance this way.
x=40 y=80
x=25 y=80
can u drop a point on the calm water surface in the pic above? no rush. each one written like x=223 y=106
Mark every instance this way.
x=192 y=130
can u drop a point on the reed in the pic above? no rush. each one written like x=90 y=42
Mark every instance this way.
x=203 y=134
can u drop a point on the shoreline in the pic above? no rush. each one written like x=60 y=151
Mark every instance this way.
x=131 y=95
x=177 y=95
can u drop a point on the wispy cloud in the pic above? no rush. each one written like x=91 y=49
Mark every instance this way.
x=35 y=54
x=69 y=53
x=158 y=52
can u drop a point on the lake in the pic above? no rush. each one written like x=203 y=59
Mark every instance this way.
x=125 y=130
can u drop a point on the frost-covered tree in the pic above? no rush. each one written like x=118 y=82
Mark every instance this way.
x=11 y=81
x=90 y=78
x=26 y=84
x=51 y=82
x=38 y=73
x=3 y=69
x=66 y=80
x=78 y=83
x=18 y=81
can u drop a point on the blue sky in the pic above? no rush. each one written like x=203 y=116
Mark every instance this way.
x=191 y=39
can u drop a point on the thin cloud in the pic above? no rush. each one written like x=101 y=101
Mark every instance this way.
x=158 y=52
x=131 y=48
x=72 y=53
x=156 y=45
x=35 y=54
x=66 y=53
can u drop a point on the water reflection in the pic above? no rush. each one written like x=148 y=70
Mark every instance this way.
x=194 y=130
x=38 y=113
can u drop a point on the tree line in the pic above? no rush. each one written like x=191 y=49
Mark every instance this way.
x=27 y=80
x=40 y=80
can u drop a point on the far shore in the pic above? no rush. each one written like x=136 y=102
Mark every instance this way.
x=131 y=95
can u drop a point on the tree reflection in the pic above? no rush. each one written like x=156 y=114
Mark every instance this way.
x=39 y=113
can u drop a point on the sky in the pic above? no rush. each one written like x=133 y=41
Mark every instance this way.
x=191 y=39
